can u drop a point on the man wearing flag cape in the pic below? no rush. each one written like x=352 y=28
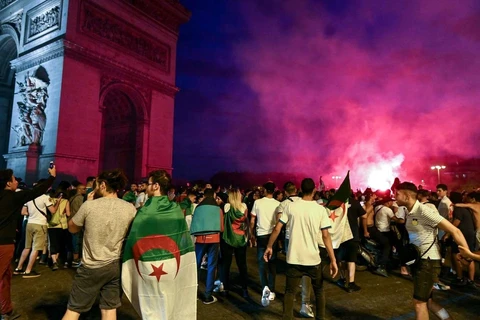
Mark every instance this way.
x=337 y=208
x=159 y=274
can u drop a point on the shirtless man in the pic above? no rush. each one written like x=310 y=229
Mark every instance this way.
x=369 y=221
x=474 y=205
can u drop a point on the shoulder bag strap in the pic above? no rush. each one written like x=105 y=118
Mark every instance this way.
x=43 y=213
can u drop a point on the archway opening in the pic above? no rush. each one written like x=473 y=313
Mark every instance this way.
x=119 y=133
x=8 y=52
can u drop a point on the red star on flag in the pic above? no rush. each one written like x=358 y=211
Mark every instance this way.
x=333 y=216
x=158 y=272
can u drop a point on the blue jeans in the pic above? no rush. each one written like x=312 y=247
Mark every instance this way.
x=211 y=249
x=267 y=270
x=77 y=241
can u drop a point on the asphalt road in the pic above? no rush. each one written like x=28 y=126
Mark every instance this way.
x=46 y=297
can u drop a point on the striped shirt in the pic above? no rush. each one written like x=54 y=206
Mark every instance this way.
x=421 y=225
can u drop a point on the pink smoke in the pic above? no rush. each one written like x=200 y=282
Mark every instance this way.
x=376 y=90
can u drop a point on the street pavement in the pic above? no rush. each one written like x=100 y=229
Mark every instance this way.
x=46 y=297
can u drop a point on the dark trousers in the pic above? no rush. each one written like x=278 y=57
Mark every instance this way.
x=225 y=262
x=267 y=270
x=21 y=240
x=382 y=238
x=294 y=276
x=6 y=256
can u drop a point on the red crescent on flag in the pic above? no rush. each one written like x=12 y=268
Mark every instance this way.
x=155 y=242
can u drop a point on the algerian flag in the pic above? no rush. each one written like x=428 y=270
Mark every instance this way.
x=337 y=208
x=159 y=272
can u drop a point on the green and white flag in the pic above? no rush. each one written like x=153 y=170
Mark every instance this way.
x=159 y=271
x=337 y=208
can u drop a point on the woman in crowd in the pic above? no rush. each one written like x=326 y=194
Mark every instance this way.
x=234 y=242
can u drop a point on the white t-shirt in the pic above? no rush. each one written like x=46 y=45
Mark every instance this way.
x=305 y=220
x=402 y=212
x=444 y=207
x=264 y=209
x=382 y=218
x=34 y=216
x=141 y=199
x=421 y=225
x=281 y=208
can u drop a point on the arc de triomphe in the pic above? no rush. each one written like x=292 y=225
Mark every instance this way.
x=88 y=84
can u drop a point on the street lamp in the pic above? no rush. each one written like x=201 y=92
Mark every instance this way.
x=336 y=178
x=438 y=171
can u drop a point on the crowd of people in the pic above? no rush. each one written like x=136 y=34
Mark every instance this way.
x=85 y=226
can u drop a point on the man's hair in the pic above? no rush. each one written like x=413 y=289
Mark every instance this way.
x=442 y=186
x=163 y=179
x=289 y=187
x=5 y=177
x=209 y=192
x=115 y=180
x=455 y=197
x=407 y=186
x=475 y=195
x=269 y=187
x=90 y=179
x=307 y=186
x=424 y=193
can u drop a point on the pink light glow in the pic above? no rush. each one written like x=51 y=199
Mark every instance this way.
x=375 y=101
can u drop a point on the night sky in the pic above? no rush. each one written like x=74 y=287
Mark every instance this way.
x=321 y=87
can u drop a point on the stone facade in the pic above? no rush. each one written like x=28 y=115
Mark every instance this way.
x=89 y=85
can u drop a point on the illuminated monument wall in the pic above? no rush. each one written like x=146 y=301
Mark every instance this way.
x=87 y=84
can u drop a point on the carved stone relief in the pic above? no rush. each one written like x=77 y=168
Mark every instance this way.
x=4 y=3
x=42 y=20
x=45 y=21
x=97 y=23
x=34 y=95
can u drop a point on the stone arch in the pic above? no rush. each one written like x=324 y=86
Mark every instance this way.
x=124 y=121
x=8 y=52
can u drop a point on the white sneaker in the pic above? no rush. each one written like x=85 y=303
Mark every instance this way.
x=265 y=296
x=271 y=297
x=219 y=287
x=440 y=286
x=307 y=311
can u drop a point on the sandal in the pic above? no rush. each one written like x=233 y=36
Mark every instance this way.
x=17 y=271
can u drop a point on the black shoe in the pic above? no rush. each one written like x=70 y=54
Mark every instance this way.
x=353 y=286
x=31 y=274
x=55 y=267
x=210 y=300
x=341 y=283
x=245 y=294
x=472 y=284
x=459 y=282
